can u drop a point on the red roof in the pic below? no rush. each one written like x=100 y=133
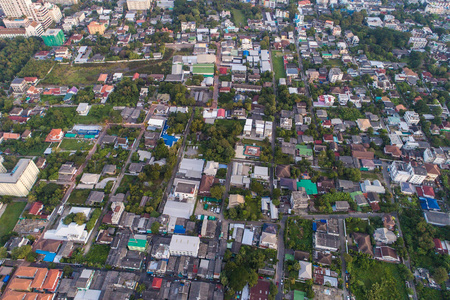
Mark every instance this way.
x=157 y=282
x=437 y=244
x=136 y=76
x=223 y=71
x=36 y=208
x=375 y=206
x=224 y=89
x=30 y=79
x=428 y=191
x=221 y=113
x=51 y=282
x=18 y=119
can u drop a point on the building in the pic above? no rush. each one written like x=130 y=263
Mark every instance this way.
x=181 y=245
x=71 y=232
x=83 y=109
x=299 y=199
x=16 y=8
x=137 y=243
x=64 y=2
x=305 y=272
x=235 y=200
x=20 y=180
x=411 y=117
x=384 y=236
x=95 y=27
x=399 y=171
x=335 y=74
x=55 y=135
x=138 y=4
x=53 y=37
x=19 y=85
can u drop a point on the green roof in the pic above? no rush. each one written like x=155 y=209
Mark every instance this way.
x=310 y=187
x=303 y=150
x=299 y=295
x=353 y=195
x=135 y=243
x=203 y=69
x=289 y=257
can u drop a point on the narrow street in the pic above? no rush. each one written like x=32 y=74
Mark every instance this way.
x=179 y=157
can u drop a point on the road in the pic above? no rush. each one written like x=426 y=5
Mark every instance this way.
x=116 y=185
x=343 y=249
x=175 y=171
x=279 y=275
x=216 y=77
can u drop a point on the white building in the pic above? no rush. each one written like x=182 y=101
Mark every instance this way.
x=417 y=42
x=83 y=109
x=191 y=168
x=335 y=74
x=16 y=8
x=374 y=186
x=72 y=232
x=138 y=4
x=261 y=173
x=20 y=180
x=411 y=117
x=117 y=210
x=182 y=245
x=399 y=171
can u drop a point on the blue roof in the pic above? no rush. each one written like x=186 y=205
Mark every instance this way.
x=169 y=140
x=429 y=203
x=6 y=278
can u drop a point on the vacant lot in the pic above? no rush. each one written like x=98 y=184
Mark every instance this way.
x=10 y=217
x=239 y=18
x=74 y=144
x=278 y=65
x=85 y=74
x=78 y=196
x=299 y=234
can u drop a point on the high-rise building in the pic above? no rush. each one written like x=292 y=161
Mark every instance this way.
x=41 y=15
x=53 y=37
x=16 y=8
x=20 y=180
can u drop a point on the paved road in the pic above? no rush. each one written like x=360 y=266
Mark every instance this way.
x=343 y=249
x=279 y=275
x=175 y=171
x=216 y=77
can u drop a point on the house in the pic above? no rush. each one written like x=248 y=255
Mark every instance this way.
x=305 y=272
x=83 y=109
x=55 y=135
x=260 y=291
x=387 y=254
x=342 y=206
x=384 y=235
x=433 y=171
x=411 y=117
x=327 y=242
x=268 y=240
x=235 y=200
x=299 y=199
x=363 y=124
x=362 y=240
x=283 y=171
x=36 y=208
x=392 y=150
x=335 y=74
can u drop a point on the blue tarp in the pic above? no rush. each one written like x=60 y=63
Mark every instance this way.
x=314 y=226
x=49 y=256
x=6 y=278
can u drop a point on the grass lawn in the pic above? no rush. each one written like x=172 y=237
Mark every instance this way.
x=80 y=74
x=333 y=62
x=9 y=218
x=369 y=175
x=257 y=143
x=97 y=254
x=278 y=65
x=74 y=144
x=238 y=18
x=79 y=196
x=365 y=273
x=299 y=234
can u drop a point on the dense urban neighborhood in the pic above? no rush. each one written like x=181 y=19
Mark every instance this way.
x=241 y=149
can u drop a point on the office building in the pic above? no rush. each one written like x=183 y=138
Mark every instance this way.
x=16 y=8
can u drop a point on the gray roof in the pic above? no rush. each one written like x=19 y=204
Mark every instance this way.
x=15 y=174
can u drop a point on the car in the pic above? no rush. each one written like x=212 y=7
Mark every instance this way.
x=277 y=283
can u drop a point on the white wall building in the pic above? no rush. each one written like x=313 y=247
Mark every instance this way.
x=182 y=245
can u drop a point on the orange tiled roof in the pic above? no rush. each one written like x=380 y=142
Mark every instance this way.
x=39 y=278
x=51 y=282
x=20 y=284
x=26 y=272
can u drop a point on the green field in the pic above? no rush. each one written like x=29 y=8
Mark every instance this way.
x=9 y=218
x=78 y=196
x=74 y=144
x=278 y=66
x=239 y=18
x=85 y=74
x=372 y=276
x=299 y=234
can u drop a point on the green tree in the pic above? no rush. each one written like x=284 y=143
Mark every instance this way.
x=3 y=252
x=217 y=191
x=155 y=227
x=440 y=275
x=21 y=252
